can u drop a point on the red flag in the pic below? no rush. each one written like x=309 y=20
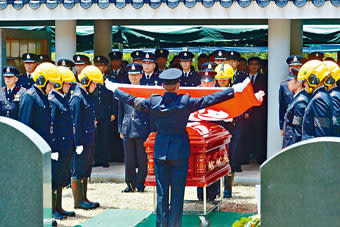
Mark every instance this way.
x=222 y=111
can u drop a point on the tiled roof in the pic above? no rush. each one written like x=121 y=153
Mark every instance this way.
x=69 y=4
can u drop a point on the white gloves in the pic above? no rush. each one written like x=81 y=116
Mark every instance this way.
x=111 y=86
x=259 y=95
x=79 y=149
x=55 y=156
x=241 y=86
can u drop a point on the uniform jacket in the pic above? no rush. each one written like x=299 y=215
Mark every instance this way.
x=153 y=81
x=293 y=119
x=9 y=103
x=83 y=108
x=62 y=135
x=170 y=113
x=239 y=77
x=105 y=104
x=335 y=96
x=133 y=123
x=192 y=80
x=120 y=77
x=285 y=98
x=317 y=120
x=25 y=81
x=35 y=113
x=260 y=83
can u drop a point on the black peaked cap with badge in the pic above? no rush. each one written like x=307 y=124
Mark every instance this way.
x=149 y=57
x=10 y=71
x=134 y=68
x=220 y=54
x=233 y=55
x=65 y=62
x=186 y=56
x=29 y=58
x=161 y=53
x=80 y=59
x=101 y=60
x=137 y=55
x=116 y=55
x=294 y=60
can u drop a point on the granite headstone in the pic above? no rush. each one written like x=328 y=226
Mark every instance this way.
x=25 y=176
x=300 y=186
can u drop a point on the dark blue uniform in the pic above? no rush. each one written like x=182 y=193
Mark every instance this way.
x=190 y=79
x=120 y=76
x=25 y=80
x=152 y=80
x=83 y=107
x=9 y=101
x=62 y=139
x=335 y=96
x=318 y=117
x=170 y=113
x=135 y=127
x=292 y=126
x=104 y=131
x=285 y=98
x=35 y=113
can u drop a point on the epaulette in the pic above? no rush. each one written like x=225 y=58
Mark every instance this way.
x=332 y=94
x=318 y=95
x=50 y=97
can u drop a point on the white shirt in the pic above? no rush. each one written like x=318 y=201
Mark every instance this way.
x=253 y=77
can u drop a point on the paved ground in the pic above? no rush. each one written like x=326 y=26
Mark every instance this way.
x=115 y=173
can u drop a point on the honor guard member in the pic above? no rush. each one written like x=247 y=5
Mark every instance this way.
x=172 y=147
x=83 y=107
x=66 y=63
x=189 y=77
x=80 y=62
x=317 y=120
x=134 y=128
x=292 y=126
x=161 y=59
x=220 y=56
x=150 y=76
x=117 y=72
x=30 y=63
x=106 y=112
x=62 y=140
x=233 y=59
x=286 y=95
x=332 y=84
x=11 y=93
x=208 y=75
x=137 y=56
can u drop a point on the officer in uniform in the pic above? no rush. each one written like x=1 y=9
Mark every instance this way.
x=318 y=117
x=83 y=107
x=292 y=126
x=150 y=76
x=62 y=140
x=66 y=63
x=34 y=106
x=137 y=56
x=11 y=93
x=286 y=95
x=30 y=63
x=44 y=58
x=220 y=56
x=189 y=77
x=172 y=147
x=80 y=61
x=161 y=59
x=334 y=91
x=134 y=127
x=117 y=72
x=207 y=75
x=106 y=113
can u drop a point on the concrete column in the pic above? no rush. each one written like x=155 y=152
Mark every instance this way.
x=278 y=51
x=2 y=52
x=65 y=39
x=296 y=36
x=102 y=37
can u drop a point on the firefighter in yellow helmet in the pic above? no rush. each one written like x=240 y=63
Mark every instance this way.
x=34 y=106
x=317 y=120
x=224 y=75
x=82 y=104
x=62 y=141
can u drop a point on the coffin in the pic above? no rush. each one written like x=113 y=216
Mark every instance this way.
x=208 y=160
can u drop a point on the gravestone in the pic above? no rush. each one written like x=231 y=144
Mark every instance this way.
x=25 y=176
x=300 y=186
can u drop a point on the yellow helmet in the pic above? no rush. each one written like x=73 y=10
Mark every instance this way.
x=307 y=69
x=333 y=68
x=47 y=72
x=336 y=76
x=224 y=72
x=90 y=74
x=66 y=74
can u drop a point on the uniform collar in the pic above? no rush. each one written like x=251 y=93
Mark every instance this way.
x=81 y=88
x=298 y=93
x=59 y=93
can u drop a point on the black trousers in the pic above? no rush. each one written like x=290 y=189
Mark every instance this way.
x=135 y=157
x=82 y=164
x=61 y=170
x=104 y=136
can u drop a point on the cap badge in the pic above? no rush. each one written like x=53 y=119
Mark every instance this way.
x=209 y=66
x=133 y=67
x=147 y=55
x=8 y=70
x=295 y=58
x=78 y=58
x=185 y=54
x=317 y=54
x=137 y=53
x=232 y=53
x=28 y=56
x=220 y=53
x=161 y=51
x=41 y=57
x=98 y=59
x=114 y=53
x=63 y=63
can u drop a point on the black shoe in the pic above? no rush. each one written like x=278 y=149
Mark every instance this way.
x=57 y=215
x=129 y=189
x=238 y=169
x=105 y=165
x=54 y=223
x=140 y=189
x=96 y=164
